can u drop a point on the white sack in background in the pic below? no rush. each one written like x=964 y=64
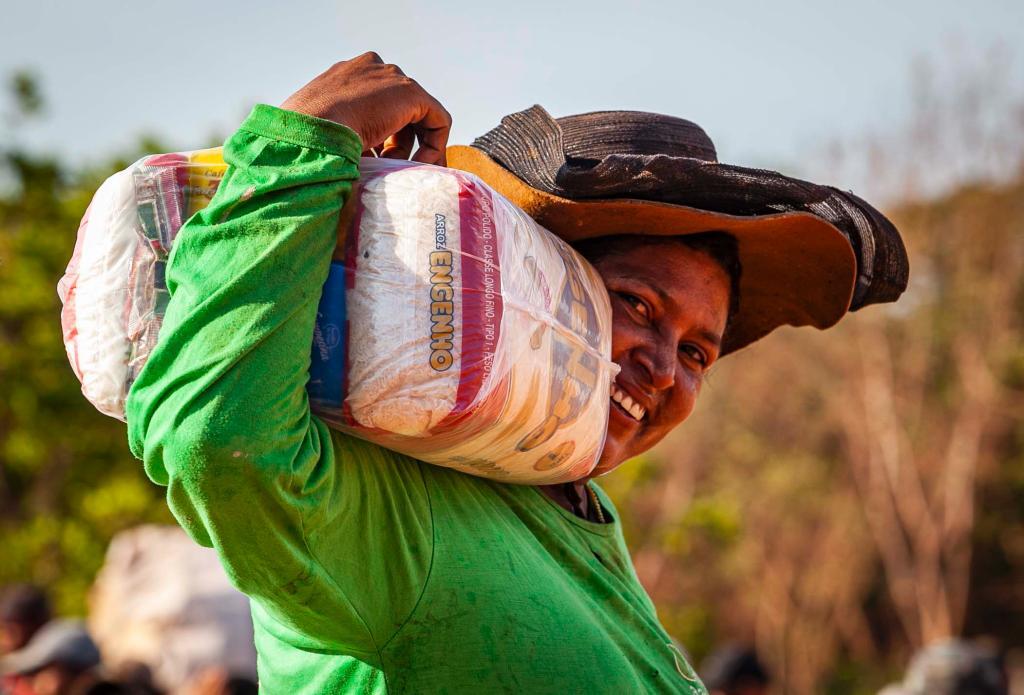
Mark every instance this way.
x=163 y=601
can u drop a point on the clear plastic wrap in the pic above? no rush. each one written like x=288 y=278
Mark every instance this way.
x=113 y=290
x=452 y=327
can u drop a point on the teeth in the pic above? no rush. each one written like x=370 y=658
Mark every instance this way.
x=636 y=410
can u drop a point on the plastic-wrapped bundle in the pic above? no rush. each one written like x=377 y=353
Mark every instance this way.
x=113 y=290
x=452 y=327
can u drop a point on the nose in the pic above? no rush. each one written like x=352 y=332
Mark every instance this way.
x=660 y=364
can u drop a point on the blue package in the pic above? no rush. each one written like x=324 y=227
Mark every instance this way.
x=327 y=369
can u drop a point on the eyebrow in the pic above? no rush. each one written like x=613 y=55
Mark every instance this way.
x=662 y=294
x=714 y=338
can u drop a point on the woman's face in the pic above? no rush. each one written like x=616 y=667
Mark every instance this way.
x=669 y=309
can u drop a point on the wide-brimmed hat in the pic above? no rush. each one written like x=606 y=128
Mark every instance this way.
x=810 y=253
x=953 y=667
x=62 y=642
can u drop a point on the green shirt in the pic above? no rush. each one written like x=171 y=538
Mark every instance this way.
x=368 y=571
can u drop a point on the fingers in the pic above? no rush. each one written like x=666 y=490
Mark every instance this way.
x=368 y=57
x=432 y=131
x=399 y=145
x=432 y=147
x=387 y=109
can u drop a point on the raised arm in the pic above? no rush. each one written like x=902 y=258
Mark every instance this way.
x=219 y=414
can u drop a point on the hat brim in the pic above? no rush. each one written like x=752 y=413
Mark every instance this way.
x=798 y=269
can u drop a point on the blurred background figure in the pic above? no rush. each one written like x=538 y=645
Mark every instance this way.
x=954 y=667
x=59 y=659
x=164 y=602
x=735 y=670
x=216 y=680
x=23 y=610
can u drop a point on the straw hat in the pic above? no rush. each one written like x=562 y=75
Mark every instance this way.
x=809 y=253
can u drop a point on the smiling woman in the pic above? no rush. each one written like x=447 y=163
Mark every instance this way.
x=671 y=299
x=370 y=571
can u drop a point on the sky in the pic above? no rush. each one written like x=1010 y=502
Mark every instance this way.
x=769 y=81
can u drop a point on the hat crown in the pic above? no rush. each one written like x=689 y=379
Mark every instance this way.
x=633 y=155
x=599 y=134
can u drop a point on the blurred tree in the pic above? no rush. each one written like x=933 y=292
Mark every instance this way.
x=930 y=404
x=67 y=481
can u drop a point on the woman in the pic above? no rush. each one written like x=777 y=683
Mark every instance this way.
x=373 y=572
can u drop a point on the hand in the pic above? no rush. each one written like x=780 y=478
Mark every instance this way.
x=388 y=110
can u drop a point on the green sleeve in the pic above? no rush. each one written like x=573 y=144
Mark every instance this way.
x=220 y=414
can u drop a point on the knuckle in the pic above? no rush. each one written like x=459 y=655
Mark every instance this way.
x=372 y=56
x=406 y=81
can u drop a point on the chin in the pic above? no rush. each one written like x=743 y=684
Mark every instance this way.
x=612 y=457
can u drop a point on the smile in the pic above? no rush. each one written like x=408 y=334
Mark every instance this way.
x=635 y=410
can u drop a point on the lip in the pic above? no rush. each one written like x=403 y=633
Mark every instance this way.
x=637 y=396
x=619 y=412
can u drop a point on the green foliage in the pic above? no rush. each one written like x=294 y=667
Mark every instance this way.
x=849 y=677
x=27 y=96
x=67 y=480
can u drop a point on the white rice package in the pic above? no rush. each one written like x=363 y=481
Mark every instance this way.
x=113 y=290
x=452 y=327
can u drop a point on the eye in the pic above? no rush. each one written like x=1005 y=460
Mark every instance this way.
x=636 y=303
x=694 y=353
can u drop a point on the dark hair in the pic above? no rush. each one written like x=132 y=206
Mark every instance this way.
x=732 y=667
x=25 y=604
x=720 y=246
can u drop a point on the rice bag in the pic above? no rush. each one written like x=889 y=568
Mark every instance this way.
x=452 y=327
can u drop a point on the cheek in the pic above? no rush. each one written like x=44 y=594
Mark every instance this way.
x=683 y=398
x=625 y=335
